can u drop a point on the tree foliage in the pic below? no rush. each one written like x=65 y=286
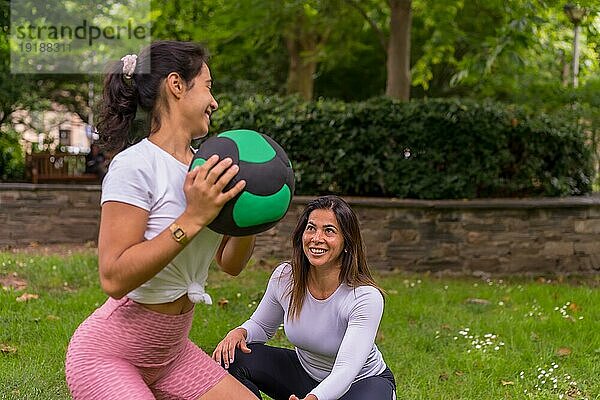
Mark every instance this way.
x=491 y=48
x=14 y=93
x=515 y=51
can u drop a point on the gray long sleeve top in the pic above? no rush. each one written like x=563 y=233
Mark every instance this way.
x=334 y=338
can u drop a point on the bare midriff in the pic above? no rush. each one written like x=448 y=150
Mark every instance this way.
x=179 y=306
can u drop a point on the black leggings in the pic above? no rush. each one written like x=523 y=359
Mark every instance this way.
x=277 y=372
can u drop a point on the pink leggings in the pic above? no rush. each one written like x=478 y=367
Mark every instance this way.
x=125 y=351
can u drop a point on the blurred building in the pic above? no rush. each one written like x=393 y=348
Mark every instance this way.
x=52 y=130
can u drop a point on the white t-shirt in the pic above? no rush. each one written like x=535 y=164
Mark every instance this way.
x=334 y=338
x=146 y=176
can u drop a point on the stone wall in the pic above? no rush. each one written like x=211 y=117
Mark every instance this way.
x=49 y=213
x=495 y=236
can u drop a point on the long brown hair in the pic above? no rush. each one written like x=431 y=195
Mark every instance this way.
x=355 y=270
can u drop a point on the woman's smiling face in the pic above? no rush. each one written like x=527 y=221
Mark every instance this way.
x=322 y=240
x=199 y=103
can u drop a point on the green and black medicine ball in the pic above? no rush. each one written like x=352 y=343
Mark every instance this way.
x=269 y=177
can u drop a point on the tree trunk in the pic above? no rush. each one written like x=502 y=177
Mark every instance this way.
x=566 y=70
x=398 y=52
x=302 y=68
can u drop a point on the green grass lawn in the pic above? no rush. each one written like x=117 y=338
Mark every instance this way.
x=444 y=338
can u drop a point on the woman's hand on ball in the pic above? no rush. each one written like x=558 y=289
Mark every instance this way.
x=204 y=186
x=224 y=353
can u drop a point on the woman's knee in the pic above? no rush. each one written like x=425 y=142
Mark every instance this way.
x=375 y=387
x=242 y=362
x=228 y=389
x=242 y=358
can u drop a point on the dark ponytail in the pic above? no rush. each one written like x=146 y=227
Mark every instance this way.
x=122 y=96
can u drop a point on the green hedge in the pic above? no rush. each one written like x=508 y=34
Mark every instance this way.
x=430 y=149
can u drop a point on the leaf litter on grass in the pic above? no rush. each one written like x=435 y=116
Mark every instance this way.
x=12 y=281
x=7 y=349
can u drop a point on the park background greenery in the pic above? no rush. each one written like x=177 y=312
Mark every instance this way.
x=485 y=77
x=491 y=111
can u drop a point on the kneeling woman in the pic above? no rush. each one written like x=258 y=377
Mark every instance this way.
x=330 y=307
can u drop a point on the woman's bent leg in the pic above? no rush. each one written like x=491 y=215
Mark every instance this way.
x=272 y=370
x=190 y=376
x=378 y=387
x=93 y=370
x=228 y=388
x=106 y=380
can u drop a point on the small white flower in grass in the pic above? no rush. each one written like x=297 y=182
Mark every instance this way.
x=564 y=311
x=476 y=342
x=535 y=311
x=549 y=385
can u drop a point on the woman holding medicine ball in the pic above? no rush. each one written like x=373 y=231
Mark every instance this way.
x=154 y=249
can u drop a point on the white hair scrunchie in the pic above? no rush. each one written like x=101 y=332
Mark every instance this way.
x=129 y=63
